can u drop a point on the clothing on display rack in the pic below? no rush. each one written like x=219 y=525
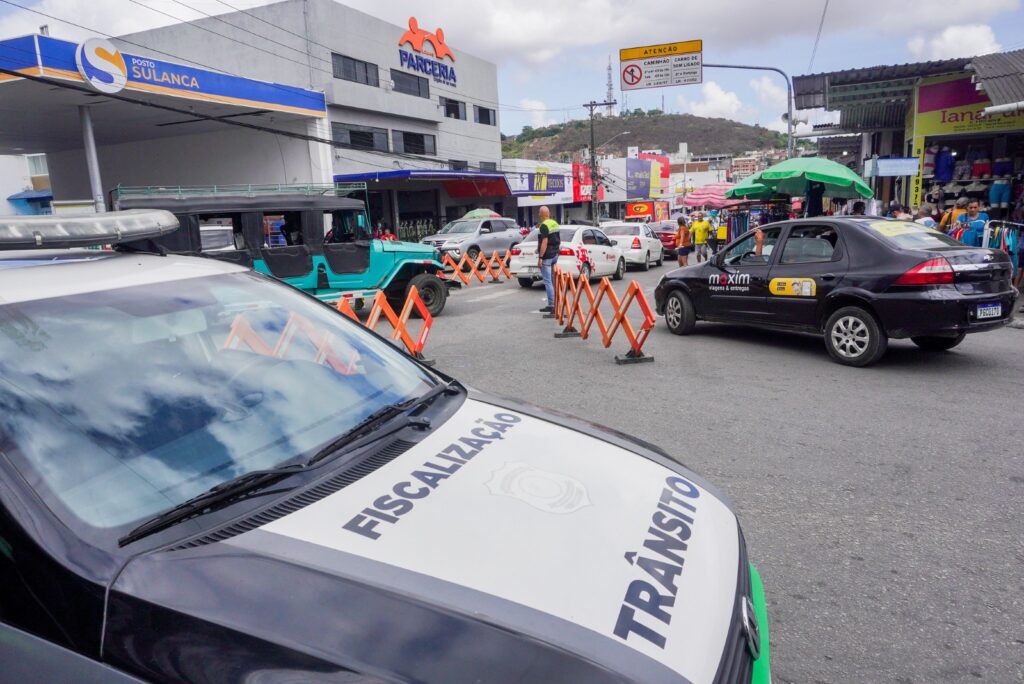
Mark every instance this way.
x=1008 y=237
x=944 y=163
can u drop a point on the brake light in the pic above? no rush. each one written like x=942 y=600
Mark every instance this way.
x=515 y=251
x=636 y=243
x=932 y=272
x=524 y=231
x=566 y=251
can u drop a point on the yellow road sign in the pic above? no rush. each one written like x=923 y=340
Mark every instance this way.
x=663 y=50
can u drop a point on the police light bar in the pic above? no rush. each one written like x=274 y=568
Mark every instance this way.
x=110 y=228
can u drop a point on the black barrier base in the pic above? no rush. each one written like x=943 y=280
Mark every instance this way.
x=550 y=315
x=425 y=361
x=567 y=333
x=630 y=357
x=495 y=282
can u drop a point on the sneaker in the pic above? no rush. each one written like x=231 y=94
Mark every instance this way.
x=547 y=309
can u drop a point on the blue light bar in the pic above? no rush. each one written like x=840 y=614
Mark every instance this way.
x=58 y=232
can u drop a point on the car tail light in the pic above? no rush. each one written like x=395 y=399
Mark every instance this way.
x=515 y=251
x=636 y=243
x=524 y=231
x=566 y=251
x=932 y=272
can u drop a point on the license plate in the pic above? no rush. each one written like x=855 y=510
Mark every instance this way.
x=990 y=310
x=529 y=270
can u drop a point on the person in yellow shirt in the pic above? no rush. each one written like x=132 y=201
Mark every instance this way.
x=700 y=229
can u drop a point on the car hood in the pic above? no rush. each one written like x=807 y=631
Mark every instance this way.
x=505 y=540
x=448 y=237
x=408 y=247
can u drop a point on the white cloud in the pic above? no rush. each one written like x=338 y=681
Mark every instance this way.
x=538 y=113
x=955 y=41
x=716 y=103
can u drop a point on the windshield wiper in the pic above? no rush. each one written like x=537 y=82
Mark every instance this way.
x=378 y=418
x=244 y=484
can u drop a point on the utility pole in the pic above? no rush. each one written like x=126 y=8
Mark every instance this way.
x=594 y=210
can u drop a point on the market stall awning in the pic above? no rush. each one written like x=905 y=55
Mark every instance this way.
x=1001 y=76
x=458 y=184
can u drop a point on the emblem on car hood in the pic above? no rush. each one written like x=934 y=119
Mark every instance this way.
x=542 y=489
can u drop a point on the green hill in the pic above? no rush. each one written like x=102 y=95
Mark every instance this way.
x=647 y=130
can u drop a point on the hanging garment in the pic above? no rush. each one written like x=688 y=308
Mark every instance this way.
x=944 y=163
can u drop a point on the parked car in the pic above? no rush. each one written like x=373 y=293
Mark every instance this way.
x=583 y=250
x=319 y=243
x=666 y=232
x=474 y=237
x=639 y=245
x=208 y=477
x=856 y=282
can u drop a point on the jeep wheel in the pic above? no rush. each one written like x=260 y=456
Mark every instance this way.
x=432 y=291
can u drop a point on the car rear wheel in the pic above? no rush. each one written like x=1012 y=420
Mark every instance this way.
x=620 y=270
x=431 y=290
x=525 y=282
x=585 y=272
x=854 y=338
x=680 y=316
x=661 y=258
x=934 y=343
x=647 y=262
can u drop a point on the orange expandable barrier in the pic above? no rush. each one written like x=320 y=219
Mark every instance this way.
x=495 y=266
x=399 y=322
x=242 y=332
x=572 y=298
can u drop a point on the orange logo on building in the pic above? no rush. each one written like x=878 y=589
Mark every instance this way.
x=417 y=38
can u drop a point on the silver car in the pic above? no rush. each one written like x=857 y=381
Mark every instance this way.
x=475 y=236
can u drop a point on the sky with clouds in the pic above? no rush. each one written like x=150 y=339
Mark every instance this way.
x=552 y=57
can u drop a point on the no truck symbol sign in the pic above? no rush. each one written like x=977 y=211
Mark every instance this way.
x=632 y=74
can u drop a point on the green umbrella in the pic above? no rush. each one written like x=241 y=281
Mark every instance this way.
x=790 y=177
x=481 y=214
x=750 y=188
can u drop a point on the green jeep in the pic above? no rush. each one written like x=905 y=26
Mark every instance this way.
x=313 y=237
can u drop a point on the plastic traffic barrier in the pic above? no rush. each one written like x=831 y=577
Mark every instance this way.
x=577 y=305
x=399 y=322
x=466 y=269
x=242 y=332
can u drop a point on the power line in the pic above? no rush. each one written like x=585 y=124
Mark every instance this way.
x=817 y=38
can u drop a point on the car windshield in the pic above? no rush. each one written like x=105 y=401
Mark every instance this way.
x=119 y=404
x=621 y=230
x=460 y=227
x=910 y=235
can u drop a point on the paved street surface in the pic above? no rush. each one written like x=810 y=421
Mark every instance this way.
x=883 y=506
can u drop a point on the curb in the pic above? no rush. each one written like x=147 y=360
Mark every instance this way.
x=1018 y=323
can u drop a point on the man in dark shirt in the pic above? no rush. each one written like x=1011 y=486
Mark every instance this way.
x=548 y=244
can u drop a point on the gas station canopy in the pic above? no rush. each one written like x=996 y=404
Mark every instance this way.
x=39 y=113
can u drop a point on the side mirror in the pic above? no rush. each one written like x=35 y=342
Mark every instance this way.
x=485 y=230
x=615 y=243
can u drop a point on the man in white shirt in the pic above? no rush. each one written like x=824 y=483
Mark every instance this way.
x=924 y=216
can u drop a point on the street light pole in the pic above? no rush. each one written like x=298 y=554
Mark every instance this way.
x=789 y=97
x=593 y=158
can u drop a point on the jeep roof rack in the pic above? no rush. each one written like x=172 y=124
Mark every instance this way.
x=93 y=230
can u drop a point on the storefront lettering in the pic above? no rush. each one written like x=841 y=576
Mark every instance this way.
x=442 y=73
x=147 y=71
x=950 y=117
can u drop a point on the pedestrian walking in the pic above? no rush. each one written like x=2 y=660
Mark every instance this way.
x=549 y=241
x=684 y=243
x=924 y=216
x=700 y=231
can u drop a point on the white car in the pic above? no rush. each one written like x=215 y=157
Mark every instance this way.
x=584 y=249
x=639 y=245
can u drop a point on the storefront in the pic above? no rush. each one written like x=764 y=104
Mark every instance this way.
x=963 y=150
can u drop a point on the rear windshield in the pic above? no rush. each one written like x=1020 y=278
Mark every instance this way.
x=909 y=235
x=621 y=230
x=565 y=234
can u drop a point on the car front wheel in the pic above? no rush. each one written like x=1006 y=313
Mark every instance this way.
x=854 y=338
x=680 y=316
x=525 y=282
x=937 y=344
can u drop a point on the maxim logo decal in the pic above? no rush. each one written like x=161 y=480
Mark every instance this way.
x=729 y=279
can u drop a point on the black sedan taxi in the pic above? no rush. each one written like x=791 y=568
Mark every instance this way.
x=209 y=476
x=858 y=282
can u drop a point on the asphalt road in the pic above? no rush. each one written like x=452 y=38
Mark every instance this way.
x=883 y=506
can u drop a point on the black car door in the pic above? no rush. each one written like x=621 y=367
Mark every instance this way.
x=737 y=279
x=811 y=261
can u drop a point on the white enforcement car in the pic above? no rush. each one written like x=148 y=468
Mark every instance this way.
x=584 y=249
x=208 y=476
x=639 y=245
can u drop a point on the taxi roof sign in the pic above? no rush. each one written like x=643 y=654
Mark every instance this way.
x=109 y=228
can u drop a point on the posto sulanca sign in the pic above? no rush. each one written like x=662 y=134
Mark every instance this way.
x=426 y=54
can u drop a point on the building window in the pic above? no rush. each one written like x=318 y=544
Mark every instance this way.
x=458 y=165
x=488 y=166
x=484 y=115
x=409 y=84
x=354 y=70
x=413 y=143
x=37 y=165
x=360 y=137
x=453 y=109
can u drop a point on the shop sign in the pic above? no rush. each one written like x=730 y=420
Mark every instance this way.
x=949 y=105
x=664 y=171
x=582 y=186
x=893 y=166
x=101 y=65
x=426 y=54
x=639 y=179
